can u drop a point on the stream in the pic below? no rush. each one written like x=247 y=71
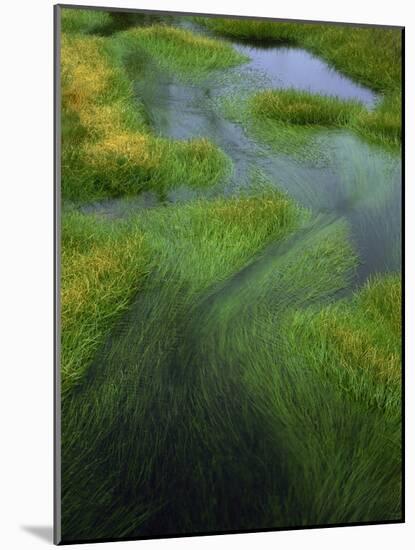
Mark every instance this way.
x=168 y=434
x=336 y=172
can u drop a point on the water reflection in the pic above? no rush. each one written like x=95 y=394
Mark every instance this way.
x=289 y=67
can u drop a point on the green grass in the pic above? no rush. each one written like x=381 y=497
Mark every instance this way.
x=108 y=149
x=103 y=265
x=272 y=108
x=78 y=21
x=212 y=376
x=356 y=344
x=296 y=107
x=182 y=52
x=344 y=363
x=353 y=51
x=342 y=46
x=228 y=399
x=192 y=247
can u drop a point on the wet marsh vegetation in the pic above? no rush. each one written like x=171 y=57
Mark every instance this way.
x=231 y=275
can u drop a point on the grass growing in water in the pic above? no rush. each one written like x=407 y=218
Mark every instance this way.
x=198 y=411
x=107 y=147
x=343 y=361
x=104 y=262
x=181 y=51
x=343 y=46
x=210 y=381
x=103 y=265
x=296 y=107
x=353 y=51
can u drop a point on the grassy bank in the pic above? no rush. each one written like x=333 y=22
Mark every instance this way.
x=182 y=52
x=353 y=51
x=342 y=46
x=108 y=149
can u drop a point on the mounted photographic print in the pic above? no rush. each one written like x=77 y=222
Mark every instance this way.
x=228 y=274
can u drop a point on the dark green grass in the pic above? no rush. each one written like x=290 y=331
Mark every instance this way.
x=193 y=246
x=212 y=381
x=370 y=55
x=218 y=423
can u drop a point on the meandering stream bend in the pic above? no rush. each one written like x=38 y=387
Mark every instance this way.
x=343 y=175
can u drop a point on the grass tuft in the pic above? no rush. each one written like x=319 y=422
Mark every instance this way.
x=303 y=108
x=78 y=21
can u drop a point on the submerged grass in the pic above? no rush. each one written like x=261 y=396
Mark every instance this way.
x=220 y=409
x=104 y=263
x=342 y=364
x=211 y=380
x=192 y=247
x=181 y=51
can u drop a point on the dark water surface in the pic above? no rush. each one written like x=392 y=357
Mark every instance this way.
x=289 y=67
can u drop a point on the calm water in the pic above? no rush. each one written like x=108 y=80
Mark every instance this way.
x=336 y=172
x=288 y=67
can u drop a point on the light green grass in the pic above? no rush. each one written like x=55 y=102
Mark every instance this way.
x=78 y=21
x=303 y=108
x=212 y=378
x=381 y=126
x=108 y=149
x=186 y=54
